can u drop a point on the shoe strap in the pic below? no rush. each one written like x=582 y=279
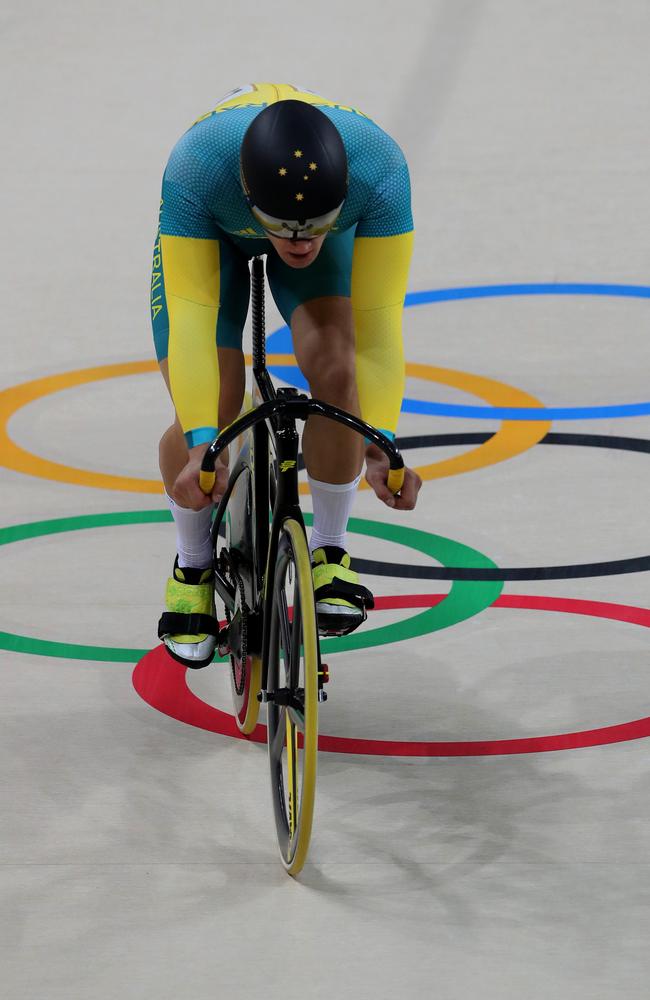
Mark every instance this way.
x=360 y=597
x=174 y=623
x=189 y=598
x=329 y=572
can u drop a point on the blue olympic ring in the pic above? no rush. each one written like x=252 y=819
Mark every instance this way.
x=279 y=342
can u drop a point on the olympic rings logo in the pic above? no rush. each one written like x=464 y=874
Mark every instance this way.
x=525 y=422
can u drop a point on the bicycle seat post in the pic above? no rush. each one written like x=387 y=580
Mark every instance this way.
x=258 y=315
x=261 y=378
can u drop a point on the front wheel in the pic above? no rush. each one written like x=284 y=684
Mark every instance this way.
x=292 y=686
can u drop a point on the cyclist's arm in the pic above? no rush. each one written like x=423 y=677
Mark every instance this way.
x=379 y=276
x=380 y=266
x=380 y=272
x=191 y=269
x=190 y=258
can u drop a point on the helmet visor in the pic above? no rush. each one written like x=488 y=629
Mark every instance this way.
x=296 y=229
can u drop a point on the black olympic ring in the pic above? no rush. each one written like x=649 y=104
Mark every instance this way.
x=574 y=572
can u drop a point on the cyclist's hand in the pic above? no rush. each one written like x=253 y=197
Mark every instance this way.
x=377 y=477
x=188 y=493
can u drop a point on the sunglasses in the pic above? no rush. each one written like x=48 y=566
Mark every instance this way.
x=304 y=229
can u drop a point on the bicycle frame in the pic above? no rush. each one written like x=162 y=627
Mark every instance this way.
x=272 y=421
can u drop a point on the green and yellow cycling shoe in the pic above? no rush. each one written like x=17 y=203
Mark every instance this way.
x=189 y=627
x=341 y=601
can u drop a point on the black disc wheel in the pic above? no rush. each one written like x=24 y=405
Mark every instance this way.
x=245 y=666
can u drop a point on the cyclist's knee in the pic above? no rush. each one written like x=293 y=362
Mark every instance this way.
x=173 y=437
x=172 y=454
x=325 y=348
x=331 y=374
x=232 y=376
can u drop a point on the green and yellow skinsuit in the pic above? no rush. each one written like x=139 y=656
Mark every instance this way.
x=207 y=234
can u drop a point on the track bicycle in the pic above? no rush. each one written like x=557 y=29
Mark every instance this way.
x=263 y=576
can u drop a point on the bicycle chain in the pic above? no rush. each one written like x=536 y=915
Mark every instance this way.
x=239 y=584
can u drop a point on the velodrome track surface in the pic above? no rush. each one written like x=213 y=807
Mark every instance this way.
x=481 y=820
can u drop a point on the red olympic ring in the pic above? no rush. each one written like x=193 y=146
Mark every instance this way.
x=162 y=683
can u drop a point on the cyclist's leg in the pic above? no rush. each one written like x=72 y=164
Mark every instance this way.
x=316 y=302
x=323 y=340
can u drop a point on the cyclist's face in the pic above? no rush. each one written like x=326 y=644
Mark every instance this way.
x=297 y=253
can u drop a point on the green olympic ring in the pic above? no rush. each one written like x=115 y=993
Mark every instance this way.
x=464 y=600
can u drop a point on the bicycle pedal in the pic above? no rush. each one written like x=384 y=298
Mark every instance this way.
x=332 y=625
x=332 y=632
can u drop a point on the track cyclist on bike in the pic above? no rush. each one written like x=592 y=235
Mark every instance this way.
x=325 y=193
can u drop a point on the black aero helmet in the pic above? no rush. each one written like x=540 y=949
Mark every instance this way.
x=294 y=170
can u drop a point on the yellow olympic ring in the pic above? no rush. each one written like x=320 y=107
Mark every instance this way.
x=512 y=438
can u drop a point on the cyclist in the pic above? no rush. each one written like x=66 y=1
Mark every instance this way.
x=325 y=193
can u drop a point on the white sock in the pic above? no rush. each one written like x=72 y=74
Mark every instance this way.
x=332 y=506
x=193 y=542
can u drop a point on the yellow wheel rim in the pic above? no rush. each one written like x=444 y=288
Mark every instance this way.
x=302 y=817
x=246 y=723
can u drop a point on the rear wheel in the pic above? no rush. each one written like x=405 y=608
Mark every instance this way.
x=245 y=667
x=292 y=687
x=245 y=680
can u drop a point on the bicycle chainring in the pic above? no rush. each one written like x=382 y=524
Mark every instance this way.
x=238 y=634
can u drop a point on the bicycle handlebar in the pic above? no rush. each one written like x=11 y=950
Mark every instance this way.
x=300 y=408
